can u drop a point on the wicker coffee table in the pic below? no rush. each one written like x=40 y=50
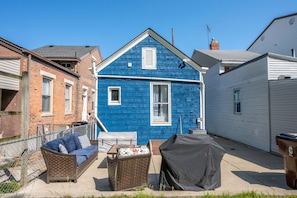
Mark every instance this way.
x=114 y=149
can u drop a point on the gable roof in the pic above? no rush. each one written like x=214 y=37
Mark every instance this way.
x=138 y=39
x=291 y=21
x=56 y=52
x=23 y=51
x=208 y=58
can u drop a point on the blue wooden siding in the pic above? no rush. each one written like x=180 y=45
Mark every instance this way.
x=134 y=112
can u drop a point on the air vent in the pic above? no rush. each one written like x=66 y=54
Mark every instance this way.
x=282 y=77
x=292 y=21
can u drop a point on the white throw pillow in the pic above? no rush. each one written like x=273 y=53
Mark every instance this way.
x=62 y=149
x=84 y=141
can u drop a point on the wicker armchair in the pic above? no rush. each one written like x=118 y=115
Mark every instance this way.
x=128 y=172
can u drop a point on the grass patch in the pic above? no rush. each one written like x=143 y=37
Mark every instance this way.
x=9 y=187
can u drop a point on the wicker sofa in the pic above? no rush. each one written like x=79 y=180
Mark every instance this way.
x=68 y=167
x=128 y=172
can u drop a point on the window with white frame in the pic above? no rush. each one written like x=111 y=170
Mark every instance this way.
x=160 y=103
x=68 y=93
x=237 y=103
x=47 y=92
x=114 y=95
x=46 y=95
x=149 y=58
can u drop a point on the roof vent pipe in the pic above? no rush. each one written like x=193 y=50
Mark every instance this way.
x=293 y=52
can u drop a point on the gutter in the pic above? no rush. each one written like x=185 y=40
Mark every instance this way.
x=96 y=96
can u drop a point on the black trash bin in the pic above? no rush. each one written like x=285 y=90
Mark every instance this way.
x=287 y=146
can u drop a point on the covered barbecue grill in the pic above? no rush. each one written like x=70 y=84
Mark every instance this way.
x=190 y=162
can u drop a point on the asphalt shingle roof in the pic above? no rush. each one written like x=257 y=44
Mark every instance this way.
x=64 y=51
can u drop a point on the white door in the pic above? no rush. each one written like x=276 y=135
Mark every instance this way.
x=84 y=105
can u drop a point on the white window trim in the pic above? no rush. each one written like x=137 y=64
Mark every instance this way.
x=51 y=77
x=144 y=66
x=93 y=99
x=169 y=123
x=70 y=84
x=110 y=102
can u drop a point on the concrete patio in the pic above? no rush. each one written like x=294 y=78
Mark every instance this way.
x=243 y=169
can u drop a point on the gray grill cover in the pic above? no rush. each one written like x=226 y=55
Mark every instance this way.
x=190 y=162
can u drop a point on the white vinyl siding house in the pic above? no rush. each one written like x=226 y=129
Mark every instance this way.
x=278 y=37
x=261 y=101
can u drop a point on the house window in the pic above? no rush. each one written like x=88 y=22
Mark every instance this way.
x=160 y=110
x=46 y=95
x=47 y=92
x=68 y=93
x=67 y=65
x=149 y=58
x=114 y=96
x=93 y=99
x=237 y=103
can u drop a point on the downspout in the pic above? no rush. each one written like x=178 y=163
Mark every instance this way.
x=202 y=103
x=96 y=96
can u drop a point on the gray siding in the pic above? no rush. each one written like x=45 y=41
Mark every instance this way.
x=278 y=67
x=252 y=125
x=9 y=66
x=283 y=102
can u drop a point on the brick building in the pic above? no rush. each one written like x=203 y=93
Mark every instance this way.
x=56 y=93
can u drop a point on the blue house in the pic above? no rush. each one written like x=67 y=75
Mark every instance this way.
x=151 y=87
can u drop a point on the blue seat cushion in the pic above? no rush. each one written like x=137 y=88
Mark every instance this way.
x=54 y=144
x=87 y=152
x=69 y=142
x=80 y=159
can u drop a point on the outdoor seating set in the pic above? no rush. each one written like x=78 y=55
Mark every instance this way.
x=189 y=162
x=67 y=157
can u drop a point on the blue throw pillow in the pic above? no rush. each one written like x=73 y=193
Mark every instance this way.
x=69 y=142
x=54 y=144
x=76 y=140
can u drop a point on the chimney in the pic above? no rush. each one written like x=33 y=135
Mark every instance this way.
x=214 y=44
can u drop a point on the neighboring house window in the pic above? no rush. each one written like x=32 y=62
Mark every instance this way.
x=93 y=99
x=47 y=92
x=68 y=89
x=237 y=104
x=160 y=111
x=149 y=58
x=67 y=65
x=68 y=95
x=114 y=96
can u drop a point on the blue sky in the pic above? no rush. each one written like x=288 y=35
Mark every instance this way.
x=110 y=24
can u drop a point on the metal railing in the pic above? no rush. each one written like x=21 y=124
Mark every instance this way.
x=21 y=160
